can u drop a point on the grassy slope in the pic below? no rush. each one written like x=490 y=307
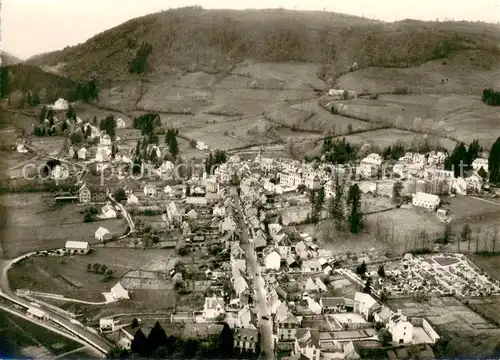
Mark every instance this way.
x=8 y=59
x=215 y=40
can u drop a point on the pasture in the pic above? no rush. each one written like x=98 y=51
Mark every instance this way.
x=33 y=222
x=69 y=276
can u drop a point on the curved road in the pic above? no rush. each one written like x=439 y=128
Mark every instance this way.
x=253 y=270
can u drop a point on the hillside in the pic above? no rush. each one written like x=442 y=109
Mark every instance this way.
x=8 y=59
x=214 y=41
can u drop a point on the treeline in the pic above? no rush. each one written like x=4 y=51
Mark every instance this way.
x=491 y=97
x=216 y=157
x=338 y=151
x=158 y=345
x=461 y=158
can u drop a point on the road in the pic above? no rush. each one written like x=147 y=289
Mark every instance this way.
x=253 y=270
x=81 y=332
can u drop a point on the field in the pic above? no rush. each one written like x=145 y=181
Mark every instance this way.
x=489 y=264
x=21 y=339
x=427 y=77
x=32 y=223
x=470 y=333
x=68 y=276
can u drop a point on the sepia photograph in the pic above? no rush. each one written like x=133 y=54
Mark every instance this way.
x=296 y=180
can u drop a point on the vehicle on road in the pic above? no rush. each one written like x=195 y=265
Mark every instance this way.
x=265 y=318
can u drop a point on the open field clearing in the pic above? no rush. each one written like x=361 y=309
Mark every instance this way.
x=122 y=97
x=461 y=117
x=23 y=339
x=489 y=263
x=426 y=78
x=233 y=134
x=471 y=209
x=80 y=354
x=488 y=307
x=182 y=121
x=12 y=163
x=387 y=137
x=69 y=276
x=164 y=98
x=470 y=333
x=51 y=145
x=292 y=76
x=32 y=222
x=86 y=112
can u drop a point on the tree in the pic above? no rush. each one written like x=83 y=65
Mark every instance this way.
x=226 y=342
x=43 y=114
x=107 y=275
x=473 y=151
x=157 y=337
x=361 y=269
x=447 y=233
x=355 y=217
x=138 y=64
x=491 y=97
x=135 y=323
x=70 y=113
x=88 y=132
x=396 y=191
x=494 y=162
x=466 y=233
x=381 y=271
x=120 y=195
x=367 y=289
x=139 y=344
x=385 y=337
x=117 y=353
x=192 y=143
x=108 y=124
x=481 y=172
x=173 y=147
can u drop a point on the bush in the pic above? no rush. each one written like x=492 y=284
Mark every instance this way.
x=138 y=64
x=491 y=97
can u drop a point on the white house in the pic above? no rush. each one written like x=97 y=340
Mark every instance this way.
x=400 y=328
x=119 y=292
x=59 y=172
x=106 y=324
x=108 y=212
x=311 y=285
x=150 y=189
x=365 y=304
x=82 y=153
x=120 y=123
x=101 y=233
x=459 y=185
x=290 y=178
x=60 y=104
x=132 y=199
x=312 y=182
x=192 y=214
x=219 y=211
x=212 y=308
x=201 y=145
x=400 y=169
x=273 y=261
x=373 y=159
x=474 y=182
x=311 y=266
x=37 y=313
x=428 y=201
x=321 y=286
x=307 y=343
x=77 y=247
x=23 y=150
x=480 y=163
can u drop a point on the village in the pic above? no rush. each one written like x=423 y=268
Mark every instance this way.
x=281 y=290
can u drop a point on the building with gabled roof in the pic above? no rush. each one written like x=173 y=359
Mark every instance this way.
x=77 y=247
x=245 y=340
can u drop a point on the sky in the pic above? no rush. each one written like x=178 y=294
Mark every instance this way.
x=31 y=27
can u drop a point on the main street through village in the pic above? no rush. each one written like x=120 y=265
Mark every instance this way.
x=253 y=269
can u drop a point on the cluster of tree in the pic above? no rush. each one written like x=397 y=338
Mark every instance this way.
x=49 y=166
x=138 y=64
x=338 y=151
x=461 y=159
x=4 y=82
x=89 y=214
x=87 y=91
x=393 y=152
x=108 y=125
x=361 y=271
x=396 y=192
x=317 y=199
x=171 y=142
x=120 y=195
x=101 y=269
x=47 y=129
x=336 y=204
x=494 y=162
x=215 y=158
x=491 y=97
x=160 y=346
x=71 y=113
x=355 y=215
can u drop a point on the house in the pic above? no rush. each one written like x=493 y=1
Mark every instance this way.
x=132 y=199
x=77 y=247
x=219 y=211
x=474 y=183
x=312 y=182
x=87 y=194
x=307 y=344
x=290 y=178
x=459 y=186
x=400 y=169
x=311 y=266
x=321 y=286
x=173 y=213
x=201 y=145
x=150 y=190
x=272 y=261
x=259 y=241
x=119 y=292
x=192 y=215
x=196 y=201
x=245 y=340
x=480 y=163
x=59 y=104
x=108 y=212
x=287 y=327
x=365 y=304
x=213 y=308
x=227 y=225
x=336 y=304
x=400 y=328
x=106 y=324
x=314 y=306
x=82 y=153
x=37 y=313
x=240 y=285
x=59 y=173
x=311 y=285
x=120 y=123
x=101 y=233
x=428 y=201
